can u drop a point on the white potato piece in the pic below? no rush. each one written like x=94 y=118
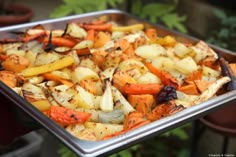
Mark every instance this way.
x=76 y=31
x=150 y=51
x=61 y=74
x=84 y=99
x=32 y=92
x=63 y=97
x=131 y=64
x=125 y=106
x=45 y=58
x=35 y=79
x=84 y=44
x=181 y=50
x=31 y=57
x=89 y=63
x=117 y=35
x=202 y=51
x=186 y=65
x=148 y=77
x=163 y=63
x=101 y=130
x=9 y=46
x=41 y=105
x=177 y=75
x=207 y=71
x=107 y=73
x=83 y=73
x=16 y=52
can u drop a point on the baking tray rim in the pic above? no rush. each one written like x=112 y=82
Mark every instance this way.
x=87 y=148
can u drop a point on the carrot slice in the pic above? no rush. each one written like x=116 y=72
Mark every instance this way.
x=60 y=41
x=3 y=57
x=38 y=36
x=50 y=76
x=90 y=35
x=65 y=116
x=150 y=88
x=165 y=77
x=98 y=27
x=84 y=51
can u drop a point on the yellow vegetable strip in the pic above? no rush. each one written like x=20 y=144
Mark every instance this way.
x=59 y=64
x=134 y=27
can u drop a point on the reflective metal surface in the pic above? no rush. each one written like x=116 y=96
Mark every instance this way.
x=102 y=148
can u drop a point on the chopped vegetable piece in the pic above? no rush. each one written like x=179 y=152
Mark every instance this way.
x=65 y=116
x=59 y=64
x=151 y=88
x=166 y=94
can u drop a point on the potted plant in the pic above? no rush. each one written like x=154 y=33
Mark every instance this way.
x=11 y=13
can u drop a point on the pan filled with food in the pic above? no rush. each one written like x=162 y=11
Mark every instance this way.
x=103 y=81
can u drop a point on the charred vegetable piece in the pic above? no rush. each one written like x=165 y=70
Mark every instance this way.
x=65 y=116
x=166 y=94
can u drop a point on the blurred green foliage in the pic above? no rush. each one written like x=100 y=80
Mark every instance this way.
x=225 y=35
x=156 y=12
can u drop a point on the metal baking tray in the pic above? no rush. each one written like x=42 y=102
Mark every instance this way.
x=103 y=148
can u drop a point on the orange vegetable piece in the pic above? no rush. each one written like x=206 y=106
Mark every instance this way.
x=165 y=77
x=202 y=85
x=120 y=79
x=123 y=44
x=84 y=51
x=130 y=51
x=101 y=38
x=99 y=57
x=150 y=88
x=98 y=27
x=151 y=33
x=38 y=37
x=190 y=89
x=196 y=75
x=3 y=57
x=160 y=111
x=132 y=121
x=50 y=76
x=9 y=78
x=61 y=41
x=211 y=62
x=65 y=116
x=90 y=35
x=141 y=103
x=15 y=63
x=233 y=67
x=89 y=85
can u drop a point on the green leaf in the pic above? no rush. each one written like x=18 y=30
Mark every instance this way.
x=156 y=9
x=61 y=11
x=174 y=21
x=220 y=14
x=114 y=3
x=224 y=33
x=136 y=7
x=183 y=153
